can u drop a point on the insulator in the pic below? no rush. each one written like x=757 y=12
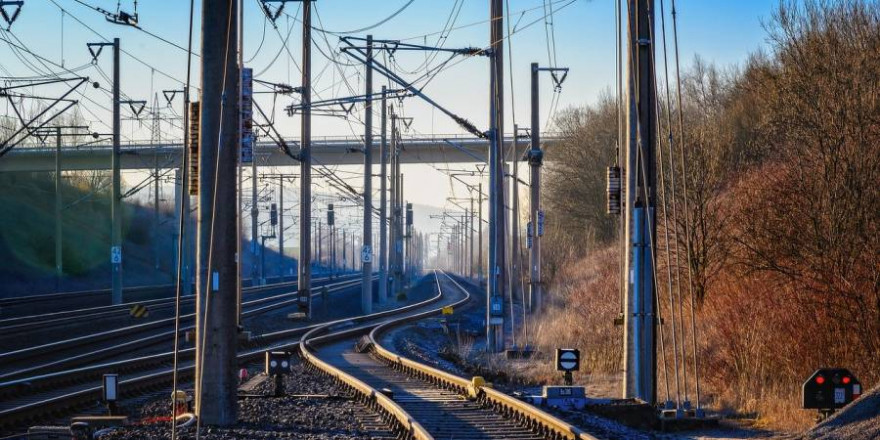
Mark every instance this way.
x=613 y=190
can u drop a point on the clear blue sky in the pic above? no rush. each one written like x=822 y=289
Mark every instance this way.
x=719 y=30
x=722 y=31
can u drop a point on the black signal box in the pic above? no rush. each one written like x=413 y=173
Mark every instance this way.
x=830 y=389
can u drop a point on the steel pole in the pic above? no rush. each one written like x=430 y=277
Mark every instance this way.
x=116 y=192
x=383 y=203
x=497 y=238
x=281 y=228
x=218 y=279
x=304 y=267
x=515 y=239
x=367 y=250
x=480 y=233
x=471 y=232
x=640 y=319
x=535 y=297
x=59 y=264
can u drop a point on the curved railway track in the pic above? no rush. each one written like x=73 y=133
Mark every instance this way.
x=423 y=402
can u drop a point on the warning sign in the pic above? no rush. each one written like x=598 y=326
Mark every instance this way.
x=139 y=311
x=447 y=310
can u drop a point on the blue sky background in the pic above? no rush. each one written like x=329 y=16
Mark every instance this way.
x=720 y=31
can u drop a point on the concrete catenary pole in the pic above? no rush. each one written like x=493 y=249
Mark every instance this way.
x=514 y=221
x=471 y=232
x=281 y=228
x=155 y=138
x=640 y=336
x=393 y=201
x=218 y=278
x=304 y=263
x=367 y=250
x=535 y=160
x=480 y=232
x=383 y=203
x=116 y=192
x=497 y=238
x=59 y=265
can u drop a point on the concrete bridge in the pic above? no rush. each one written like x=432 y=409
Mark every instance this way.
x=325 y=150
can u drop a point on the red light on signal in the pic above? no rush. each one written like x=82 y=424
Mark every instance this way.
x=820 y=380
x=846 y=380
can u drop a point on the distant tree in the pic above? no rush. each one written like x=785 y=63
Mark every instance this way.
x=574 y=186
x=815 y=214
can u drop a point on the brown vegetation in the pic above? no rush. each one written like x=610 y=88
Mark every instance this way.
x=783 y=165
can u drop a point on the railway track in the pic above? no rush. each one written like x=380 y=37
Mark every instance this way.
x=424 y=402
x=38 y=398
x=19 y=306
x=42 y=321
x=105 y=345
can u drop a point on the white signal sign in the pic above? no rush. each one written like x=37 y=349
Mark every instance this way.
x=247 y=115
x=839 y=395
x=115 y=254
x=568 y=359
x=540 y=223
x=367 y=254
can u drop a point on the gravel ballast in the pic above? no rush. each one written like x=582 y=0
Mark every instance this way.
x=316 y=407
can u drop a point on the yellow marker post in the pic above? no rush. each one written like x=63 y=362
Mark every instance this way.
x=447 y=310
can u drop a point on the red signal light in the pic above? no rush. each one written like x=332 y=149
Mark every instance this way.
x=846 y=380
x=820 y=380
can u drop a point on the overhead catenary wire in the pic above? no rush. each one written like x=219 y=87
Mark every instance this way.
x=665 y=209
x=687 y=221
x=674 y=204
x=129 y=54
x=181 y=227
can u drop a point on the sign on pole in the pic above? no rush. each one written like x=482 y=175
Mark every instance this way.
x=540 y=223
x=367 y=254
x=194 y=121
x=568 y=359
x=247 y=115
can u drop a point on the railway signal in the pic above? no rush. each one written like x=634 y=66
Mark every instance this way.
x=829 y=389
x=568 y=360
x=278 y=366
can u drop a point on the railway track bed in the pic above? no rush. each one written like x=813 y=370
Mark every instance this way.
x=424 y=402
x=315 y=407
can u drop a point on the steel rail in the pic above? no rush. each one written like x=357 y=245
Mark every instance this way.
x=403 y=423
x=43 y=381
x=93 y=339
x=34 y=410
x=546 y=424
x=9 y=323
